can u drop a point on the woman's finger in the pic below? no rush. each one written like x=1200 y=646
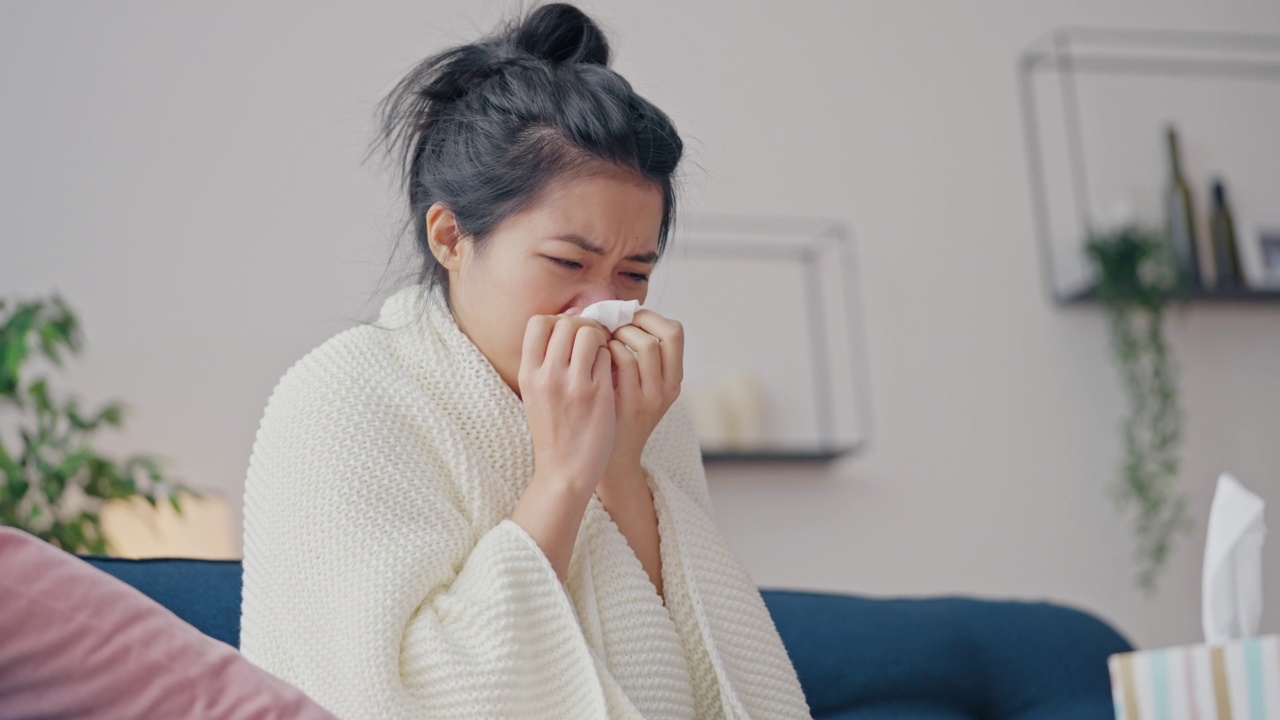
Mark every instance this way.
x=560 y=346
x=537 y=332
x=587 y=342
x=627 y=369
x=648 y=355
x=670 y=334
x=602 y=371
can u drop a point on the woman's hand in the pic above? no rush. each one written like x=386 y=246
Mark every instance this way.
x=647 y=383
x=566 y=384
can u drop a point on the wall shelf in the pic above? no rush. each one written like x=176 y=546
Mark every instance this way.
x=775 y=299
x=1205 y=295
x=1094 y=102
x=785 y=455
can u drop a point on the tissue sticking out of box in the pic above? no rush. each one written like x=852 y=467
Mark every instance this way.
x=612 y=314
x=1234 y=674
x=1232 y=585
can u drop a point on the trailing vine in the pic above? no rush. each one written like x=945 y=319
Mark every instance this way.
x=1137 y=278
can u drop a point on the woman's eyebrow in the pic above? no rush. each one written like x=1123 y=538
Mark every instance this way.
x=648 y=258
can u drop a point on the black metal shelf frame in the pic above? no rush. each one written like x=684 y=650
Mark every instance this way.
x=1167 y=53
x=741 y=236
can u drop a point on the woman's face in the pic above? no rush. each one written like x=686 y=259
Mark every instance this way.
x=592 y=239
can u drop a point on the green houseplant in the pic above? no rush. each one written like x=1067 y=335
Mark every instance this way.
x=54 y=483
x=1137 y=279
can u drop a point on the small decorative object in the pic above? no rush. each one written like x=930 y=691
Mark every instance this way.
x=1222 y=230
x=55 y=485
x=730 y=415
x=1180 y=220
x=743 y=400
x=709 y=421
x=1137 y=276
x=1259 y=245
x=1269 y=246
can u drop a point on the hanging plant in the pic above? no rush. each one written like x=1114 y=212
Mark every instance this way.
x=1137 y=278
x=54 y=484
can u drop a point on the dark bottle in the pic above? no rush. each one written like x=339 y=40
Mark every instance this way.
x=1180 y=217
x=1222 y=230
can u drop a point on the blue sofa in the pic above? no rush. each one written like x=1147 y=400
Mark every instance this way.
x=929 y=659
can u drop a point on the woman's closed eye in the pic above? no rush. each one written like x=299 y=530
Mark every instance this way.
x=574 y=265
x=565 y=263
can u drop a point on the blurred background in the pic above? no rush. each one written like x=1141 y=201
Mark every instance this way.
x=189 y=178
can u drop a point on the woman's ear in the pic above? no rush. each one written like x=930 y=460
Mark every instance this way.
x=445 y=236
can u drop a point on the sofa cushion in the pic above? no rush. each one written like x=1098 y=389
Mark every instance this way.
x=81 y=643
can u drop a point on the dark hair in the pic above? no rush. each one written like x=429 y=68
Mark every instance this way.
x=486 y=128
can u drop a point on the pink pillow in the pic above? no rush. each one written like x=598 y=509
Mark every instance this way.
x=77 y=642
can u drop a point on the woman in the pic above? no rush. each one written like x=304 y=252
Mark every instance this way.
x=487 y=505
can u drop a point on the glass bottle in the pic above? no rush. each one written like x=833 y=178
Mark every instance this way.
x=1180 y=216
x=1226 y=256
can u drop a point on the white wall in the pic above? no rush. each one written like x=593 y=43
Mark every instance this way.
x=189 y=177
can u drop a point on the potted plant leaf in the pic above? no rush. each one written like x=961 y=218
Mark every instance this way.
x=53 y=482
x=1137 y=279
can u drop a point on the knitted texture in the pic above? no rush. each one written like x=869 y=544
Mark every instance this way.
x=383 y=578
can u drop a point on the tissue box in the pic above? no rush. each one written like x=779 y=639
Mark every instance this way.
x=1235 y=681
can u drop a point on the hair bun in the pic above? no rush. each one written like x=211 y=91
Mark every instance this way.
x=561 y=33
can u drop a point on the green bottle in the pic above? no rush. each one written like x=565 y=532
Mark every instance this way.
x=1222 y=231
x=1180 y=217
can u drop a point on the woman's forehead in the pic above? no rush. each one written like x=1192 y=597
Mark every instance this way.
x=602 y=211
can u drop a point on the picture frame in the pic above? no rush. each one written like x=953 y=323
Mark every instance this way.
x=1259 y=245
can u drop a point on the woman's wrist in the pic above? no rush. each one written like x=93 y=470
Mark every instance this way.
x=622 y=462
x=570 y=483
x=627 y=498
x=551 y=510
x=623 y=483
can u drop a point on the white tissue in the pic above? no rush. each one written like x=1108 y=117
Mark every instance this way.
x=612 y=314
x=1232 y=585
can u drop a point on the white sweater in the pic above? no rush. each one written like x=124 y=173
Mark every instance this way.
x=382 y=577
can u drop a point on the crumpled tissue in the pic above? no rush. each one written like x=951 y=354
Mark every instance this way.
x=612 y=314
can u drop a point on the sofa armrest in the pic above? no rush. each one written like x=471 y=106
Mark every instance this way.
x=962 y=657
x=205 y=593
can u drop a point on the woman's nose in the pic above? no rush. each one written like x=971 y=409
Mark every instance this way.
x=594 y=295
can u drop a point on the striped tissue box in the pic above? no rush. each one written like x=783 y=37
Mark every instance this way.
x=1235 y=681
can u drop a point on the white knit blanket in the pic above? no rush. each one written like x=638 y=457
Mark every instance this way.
x=382 y=577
